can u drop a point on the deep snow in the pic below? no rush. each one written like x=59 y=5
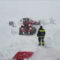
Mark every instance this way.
x=11 y=42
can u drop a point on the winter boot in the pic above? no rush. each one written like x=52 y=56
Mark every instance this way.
x=43 y=43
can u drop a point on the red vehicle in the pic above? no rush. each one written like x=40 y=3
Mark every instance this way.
x=27 y=27
x=30 y=21
x=35 y=22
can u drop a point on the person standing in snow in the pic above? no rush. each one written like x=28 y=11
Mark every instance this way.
x=41 y=35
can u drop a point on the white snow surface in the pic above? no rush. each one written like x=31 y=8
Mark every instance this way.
x=46 y=54
x=11 y=42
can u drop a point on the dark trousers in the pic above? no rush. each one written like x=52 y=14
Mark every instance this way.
x=41 y=41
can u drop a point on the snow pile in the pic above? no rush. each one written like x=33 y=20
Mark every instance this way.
x=46 y=54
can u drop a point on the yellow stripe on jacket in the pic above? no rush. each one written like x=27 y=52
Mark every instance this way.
x=41 y=30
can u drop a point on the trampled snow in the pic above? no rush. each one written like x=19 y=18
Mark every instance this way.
x=11 y=42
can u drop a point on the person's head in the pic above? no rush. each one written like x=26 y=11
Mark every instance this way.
x=41 y=27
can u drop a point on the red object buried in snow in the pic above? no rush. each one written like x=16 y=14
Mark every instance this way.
x=22 y=55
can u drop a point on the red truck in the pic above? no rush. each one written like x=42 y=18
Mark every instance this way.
x=27 y=27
